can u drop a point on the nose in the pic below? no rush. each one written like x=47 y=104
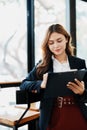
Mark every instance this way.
x=56 y=44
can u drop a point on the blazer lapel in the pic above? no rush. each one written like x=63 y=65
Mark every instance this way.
x=74 y=63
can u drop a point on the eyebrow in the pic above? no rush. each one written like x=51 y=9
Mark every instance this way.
x=56 y=39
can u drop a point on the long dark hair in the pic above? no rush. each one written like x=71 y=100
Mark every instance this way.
x=47 y=54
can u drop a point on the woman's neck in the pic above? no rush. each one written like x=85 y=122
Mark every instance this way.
x=62 y=58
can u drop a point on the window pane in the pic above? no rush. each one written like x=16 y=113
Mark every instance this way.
x=13 y=40
x=81 y=23
x=47 y=12
x=8 y=96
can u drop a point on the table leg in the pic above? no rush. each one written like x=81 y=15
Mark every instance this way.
x=15 y=128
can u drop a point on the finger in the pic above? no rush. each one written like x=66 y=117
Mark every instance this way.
x=73 y=85
x=73 y=88
x=80 y=83
x=83 y=84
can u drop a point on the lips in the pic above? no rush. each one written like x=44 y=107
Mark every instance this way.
x=57 y=50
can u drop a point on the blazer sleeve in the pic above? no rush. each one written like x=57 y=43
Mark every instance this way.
x=31 y=82
x=83 y=98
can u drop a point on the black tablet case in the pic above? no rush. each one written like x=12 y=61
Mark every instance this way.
x=56 y=83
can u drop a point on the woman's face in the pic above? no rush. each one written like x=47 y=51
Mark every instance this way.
x=57 y=43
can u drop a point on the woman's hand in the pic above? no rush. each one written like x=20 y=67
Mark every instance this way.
x=78 y=87
x=44 y=82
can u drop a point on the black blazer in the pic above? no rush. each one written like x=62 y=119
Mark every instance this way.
x=31 y=82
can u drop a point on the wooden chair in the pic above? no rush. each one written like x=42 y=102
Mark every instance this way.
x=11 y=115
x=25 y=115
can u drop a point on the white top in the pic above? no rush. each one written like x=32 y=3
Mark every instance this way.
x=60 y=67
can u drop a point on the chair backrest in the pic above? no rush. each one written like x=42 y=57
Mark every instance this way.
x=26 y=97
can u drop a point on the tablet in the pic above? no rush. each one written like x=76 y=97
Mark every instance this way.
x=56 y=82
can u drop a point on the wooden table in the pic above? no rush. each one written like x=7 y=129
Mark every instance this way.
x=9 y=115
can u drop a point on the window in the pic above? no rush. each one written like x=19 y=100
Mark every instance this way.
x=13 y=46
x=13 y=40
x=81 y=24
x=46 y=13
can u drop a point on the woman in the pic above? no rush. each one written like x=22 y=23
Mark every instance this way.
x=58 y=57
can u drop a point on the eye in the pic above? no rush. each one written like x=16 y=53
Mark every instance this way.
x=59 y=40
x=50 y=43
